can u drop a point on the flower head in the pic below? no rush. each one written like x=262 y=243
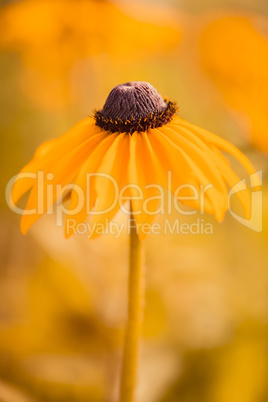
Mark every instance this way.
x=132 y=147
x=134 y=106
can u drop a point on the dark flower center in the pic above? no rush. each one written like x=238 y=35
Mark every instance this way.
x=134 y=106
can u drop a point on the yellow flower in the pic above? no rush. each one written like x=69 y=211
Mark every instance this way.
x=53 y=38
x=234 y=53
x=138 y=143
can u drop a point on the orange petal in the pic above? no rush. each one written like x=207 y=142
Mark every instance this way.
x=115 y=166
x=172 y=171
x=64 y=172
x=143 y=173
x=48 y=153
x=202 y=168
x=219 y=142
x=87 y=187
x=221 y=164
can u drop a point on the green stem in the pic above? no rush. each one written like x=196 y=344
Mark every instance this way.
x=134 y=318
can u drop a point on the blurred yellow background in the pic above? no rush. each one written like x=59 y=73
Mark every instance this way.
x=63 y=303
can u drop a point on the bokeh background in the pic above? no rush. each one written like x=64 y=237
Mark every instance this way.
x=63 y=303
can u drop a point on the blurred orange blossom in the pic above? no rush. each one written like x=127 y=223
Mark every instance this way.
x=234 y=54
x=52 y=36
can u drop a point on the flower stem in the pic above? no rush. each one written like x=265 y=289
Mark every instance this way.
x=134 y=318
